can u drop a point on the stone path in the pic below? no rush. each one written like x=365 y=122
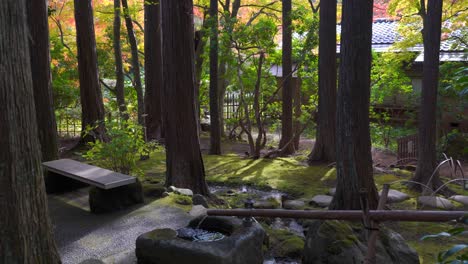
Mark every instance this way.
x=81 y=235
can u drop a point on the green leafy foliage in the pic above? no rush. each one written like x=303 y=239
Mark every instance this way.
x=456 y=254
x=123 y=150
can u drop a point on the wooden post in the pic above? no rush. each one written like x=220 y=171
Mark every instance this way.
x=372 y=240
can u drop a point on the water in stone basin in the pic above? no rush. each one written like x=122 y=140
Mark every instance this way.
x=199 y=235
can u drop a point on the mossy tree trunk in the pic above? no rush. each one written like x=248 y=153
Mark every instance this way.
x=354 y=160
x=25 y=228
x=92 y=107
x=183 y=156
x=153 y=70
x=287 y=89
x=215 y=129
x=325 y=148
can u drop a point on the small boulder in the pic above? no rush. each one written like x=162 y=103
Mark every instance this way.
x=182 y=200
x=267 y=204
x=164 y=194
x=395 y=196
x=463 y=199
x=183 y=191
x=321 y=200
x=171 y=189
x=197 y=211
x=435 y=202
x=293 y=204
x=199 y=199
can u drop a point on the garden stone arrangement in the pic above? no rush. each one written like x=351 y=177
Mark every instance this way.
x=230 y=241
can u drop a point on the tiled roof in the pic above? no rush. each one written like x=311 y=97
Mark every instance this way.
x=383 y=31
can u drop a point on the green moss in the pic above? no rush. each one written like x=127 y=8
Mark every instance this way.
x=284 y=244
x=401 y=172
x=338 y=231
x=173 y=199
x=162 y=234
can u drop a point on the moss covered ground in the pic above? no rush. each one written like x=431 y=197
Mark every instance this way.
x=293 y=176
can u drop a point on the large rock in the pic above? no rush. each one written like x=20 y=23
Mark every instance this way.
x=395 y=196
x=293 y=204
x=435 y=202
x=199 y=199
x=104 y=201
x=242 y=245
x=463 y=199
x=181 y=191
x=197 y=211
x=337 y=242
x=321 y=200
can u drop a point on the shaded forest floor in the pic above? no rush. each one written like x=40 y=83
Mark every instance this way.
x=291 y=175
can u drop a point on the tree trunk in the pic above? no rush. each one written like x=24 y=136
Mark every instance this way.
x=25 y=229
x=119 y=73
x=92 y=107
x=215 y=129
x=183 y=156
x=354 y=160
x=135 y=63
x=40 y=69
x=200 y=42
x=297 y=126
x=427 y=160
x=286 y=119
x=325 y=148
x=153 y=70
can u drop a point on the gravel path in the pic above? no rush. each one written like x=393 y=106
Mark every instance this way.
x=81 y=235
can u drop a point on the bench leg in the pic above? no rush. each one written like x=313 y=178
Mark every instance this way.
x=105 y=201
x=56 y=183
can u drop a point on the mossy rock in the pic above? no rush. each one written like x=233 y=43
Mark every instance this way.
x=182 y=199
x=284 y=244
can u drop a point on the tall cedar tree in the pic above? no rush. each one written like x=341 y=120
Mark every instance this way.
x=215 y=129
x=135 y=62
x=427 y=160
x=287 y=115
x=354 y=160
x=153 y=70
x=92 y=107
x=325 y=147
x=42 y=85
x=119 y=73
x=25 y=229
x=183 y=156
x=230 y=12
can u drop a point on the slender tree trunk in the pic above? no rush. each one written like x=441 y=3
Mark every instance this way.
x=427 y=160
x=40 y=69
x=354 y=160
x=25 y=228
x=183 y=156
x=135 y=63
x=119 y=73
x=200 y=42
x=297 y=126
x=325 y=148
x=153 y=70
x=287 y=113
x=92 y=107
x=215 y=129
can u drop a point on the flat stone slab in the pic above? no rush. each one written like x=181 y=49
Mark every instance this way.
x=463 y=199
x=321 y=200
x=395 y=196
x=435 y=202
x=99 y=177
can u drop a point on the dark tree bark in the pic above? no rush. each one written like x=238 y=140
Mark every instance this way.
x=135 y=63
x=25 y=228
x=354 y=160
x=40 y=69
x=200 y=42
x=427 y=160
x=92 y=107
x=215 y=129
x=183 y=156
x=153 y=70
x=297 y=126
x=119 y=73
x=325 y=148
x=287 y=113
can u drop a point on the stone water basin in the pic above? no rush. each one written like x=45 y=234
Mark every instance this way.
x=207 y=240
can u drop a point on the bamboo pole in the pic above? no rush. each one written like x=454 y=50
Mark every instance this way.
x=350 y=215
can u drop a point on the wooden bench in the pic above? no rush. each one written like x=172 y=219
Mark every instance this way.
x=113 y=190
x=92 y=175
